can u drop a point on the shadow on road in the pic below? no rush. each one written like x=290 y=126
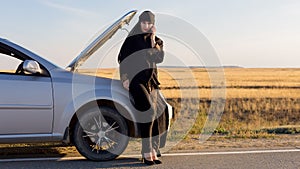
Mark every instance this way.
x=28 y=151
x=33 y=151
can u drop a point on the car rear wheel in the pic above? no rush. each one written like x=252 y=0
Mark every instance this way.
x=101 y=134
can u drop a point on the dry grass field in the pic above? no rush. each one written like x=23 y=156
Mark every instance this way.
x=258 y=102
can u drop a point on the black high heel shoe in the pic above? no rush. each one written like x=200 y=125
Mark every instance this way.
x=148 y=162
x=155 y=155
x=157 y=161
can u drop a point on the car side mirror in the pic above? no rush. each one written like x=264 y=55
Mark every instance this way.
x=31 y=66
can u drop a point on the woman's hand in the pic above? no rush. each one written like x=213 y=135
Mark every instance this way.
x=126 y=84
x=153 y=29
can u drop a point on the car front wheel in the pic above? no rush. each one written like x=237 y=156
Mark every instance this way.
x=100 y=134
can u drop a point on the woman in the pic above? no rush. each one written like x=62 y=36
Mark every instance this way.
x=138 y=57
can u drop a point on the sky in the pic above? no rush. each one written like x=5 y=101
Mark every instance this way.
x=247 y=33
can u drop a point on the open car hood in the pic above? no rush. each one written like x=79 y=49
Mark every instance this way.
x=100 y=40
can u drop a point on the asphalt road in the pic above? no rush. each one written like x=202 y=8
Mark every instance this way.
x=240 y=159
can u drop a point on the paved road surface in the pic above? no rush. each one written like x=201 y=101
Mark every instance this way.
x=240 y=159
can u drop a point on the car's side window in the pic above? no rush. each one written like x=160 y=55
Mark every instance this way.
x=9 y=64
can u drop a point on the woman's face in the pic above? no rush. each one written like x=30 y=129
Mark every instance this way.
x=146 y=26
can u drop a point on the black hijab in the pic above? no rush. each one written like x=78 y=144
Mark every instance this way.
x=136 y=37
x=145 y=16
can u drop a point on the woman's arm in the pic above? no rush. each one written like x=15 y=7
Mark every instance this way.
x=125 y=51
x=156 y=53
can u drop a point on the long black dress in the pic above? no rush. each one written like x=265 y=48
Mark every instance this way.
x=138 y=61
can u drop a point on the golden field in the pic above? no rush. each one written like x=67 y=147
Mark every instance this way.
x=257 y=100
x=239 y=82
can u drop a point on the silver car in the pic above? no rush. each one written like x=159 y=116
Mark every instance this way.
x=41 y=102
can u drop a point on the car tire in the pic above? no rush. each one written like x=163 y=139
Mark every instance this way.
x=100 y=134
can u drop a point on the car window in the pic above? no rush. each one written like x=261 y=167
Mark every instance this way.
x=9 y=63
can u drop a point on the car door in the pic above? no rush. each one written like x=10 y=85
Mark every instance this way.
x=26 y=104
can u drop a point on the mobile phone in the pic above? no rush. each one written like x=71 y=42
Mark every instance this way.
x=150 y=30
